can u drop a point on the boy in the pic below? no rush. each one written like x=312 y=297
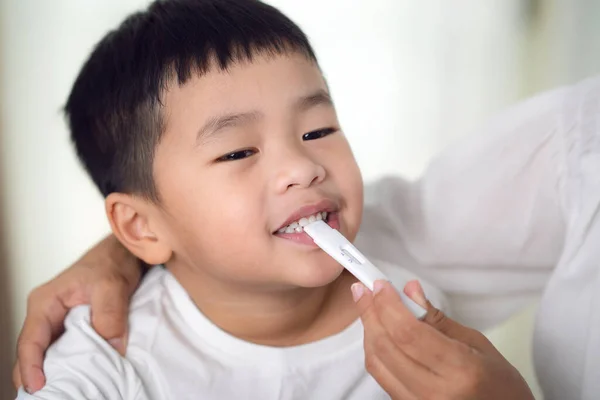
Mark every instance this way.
x=210 y=130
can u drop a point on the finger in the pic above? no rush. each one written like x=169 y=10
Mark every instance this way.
x=388 y=382
x=409 y=376
x=416 y=339
x=31 y=370
x=379 y=346
x=44 y=321
x=32 y=344
x=438 y=320
x=110 y=308
x=414 y=290
x=16 y=376
x=364 y=302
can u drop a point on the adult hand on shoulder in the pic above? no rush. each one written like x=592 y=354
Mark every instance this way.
x=105 y=277
x=436 y=358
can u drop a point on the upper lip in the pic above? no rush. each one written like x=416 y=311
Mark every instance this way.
x=325 y=205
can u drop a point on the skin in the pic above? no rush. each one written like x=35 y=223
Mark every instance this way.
x=226 y=187
x=434 y=359
x=106 y=278
x=242 y=152
x=296 y=292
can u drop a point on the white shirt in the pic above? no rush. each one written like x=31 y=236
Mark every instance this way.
x=507 y=216
x=510 y=215
x=176 y=353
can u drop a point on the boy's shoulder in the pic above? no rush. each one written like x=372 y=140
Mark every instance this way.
x=81 y=364
x=154 y=289
x=144 y=305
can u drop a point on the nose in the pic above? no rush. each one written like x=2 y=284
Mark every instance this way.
x=296 y=169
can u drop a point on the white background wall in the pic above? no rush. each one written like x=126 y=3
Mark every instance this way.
x=408 y=77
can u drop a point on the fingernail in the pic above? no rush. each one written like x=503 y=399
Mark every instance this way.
x=420 y=295
x=29 y=390
x=117 y=343
x=378 y=286
x=416 y=293
x=357 y=291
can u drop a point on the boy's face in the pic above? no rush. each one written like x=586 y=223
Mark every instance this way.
x=244 y=154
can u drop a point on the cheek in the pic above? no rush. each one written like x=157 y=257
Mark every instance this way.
x=353 y=191
x=219 y=210
x=345 y=172
x=208 y=211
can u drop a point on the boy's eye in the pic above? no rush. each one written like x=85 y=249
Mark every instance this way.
x=237 y=155
x=318 y=134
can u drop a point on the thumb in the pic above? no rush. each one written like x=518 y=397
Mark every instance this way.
x=449 y=327
x=365 y=306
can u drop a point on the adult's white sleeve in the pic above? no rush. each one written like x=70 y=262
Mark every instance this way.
x=487 y=221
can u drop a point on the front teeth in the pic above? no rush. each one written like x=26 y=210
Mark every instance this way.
x=298 y=226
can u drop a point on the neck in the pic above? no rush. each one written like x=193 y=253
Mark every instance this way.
x=274 y=317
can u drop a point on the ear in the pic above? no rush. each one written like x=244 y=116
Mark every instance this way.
x=134 y=222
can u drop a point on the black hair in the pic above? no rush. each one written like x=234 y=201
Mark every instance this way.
x=114 y=109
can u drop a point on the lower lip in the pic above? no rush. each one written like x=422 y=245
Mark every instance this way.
x=303 y=238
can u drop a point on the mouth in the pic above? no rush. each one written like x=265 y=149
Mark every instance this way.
x=298 y=225
x=293 y=228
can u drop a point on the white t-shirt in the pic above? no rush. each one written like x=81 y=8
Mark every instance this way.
x=176 y=353
x=505 y=217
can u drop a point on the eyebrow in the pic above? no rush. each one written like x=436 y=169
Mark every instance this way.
x=218 y=123
x=318 y=98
